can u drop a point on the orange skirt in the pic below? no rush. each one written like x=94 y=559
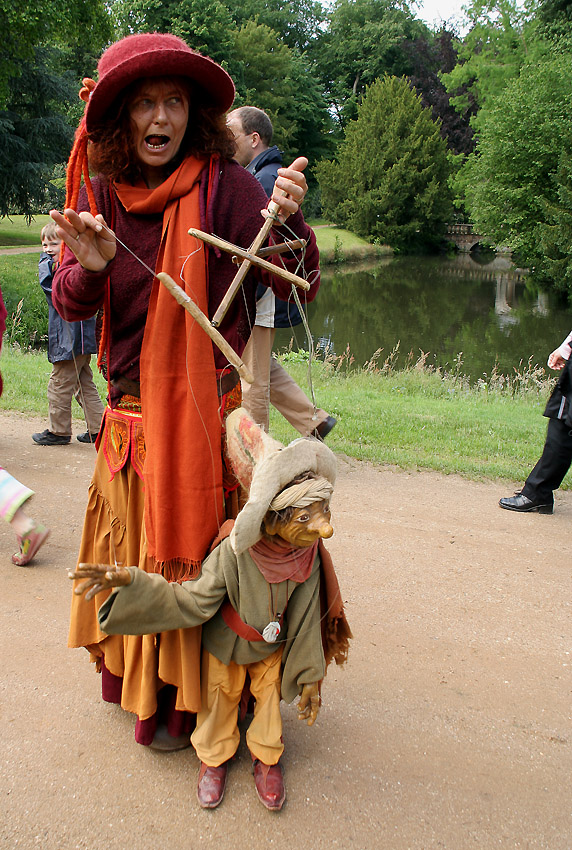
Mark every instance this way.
x=114 y=533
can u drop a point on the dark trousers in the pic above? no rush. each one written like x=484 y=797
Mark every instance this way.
x=553 y=465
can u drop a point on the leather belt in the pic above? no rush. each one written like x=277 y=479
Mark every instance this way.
x=225 y=383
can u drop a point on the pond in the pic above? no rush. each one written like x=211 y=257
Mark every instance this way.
x=450 y=308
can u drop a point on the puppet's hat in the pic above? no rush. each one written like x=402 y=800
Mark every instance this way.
x=264 y=467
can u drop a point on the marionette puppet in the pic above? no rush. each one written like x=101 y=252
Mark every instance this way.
x=268 y=599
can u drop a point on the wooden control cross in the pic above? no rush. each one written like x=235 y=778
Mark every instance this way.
x=249 y=258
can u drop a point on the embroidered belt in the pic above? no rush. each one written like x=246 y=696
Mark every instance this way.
x=225 y=383
x=122 y=437
x=234 y=621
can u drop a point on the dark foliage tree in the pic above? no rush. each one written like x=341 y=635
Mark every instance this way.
x=431 y=55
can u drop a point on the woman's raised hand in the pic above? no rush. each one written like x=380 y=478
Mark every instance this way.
x=290 y=189
x=87 y=236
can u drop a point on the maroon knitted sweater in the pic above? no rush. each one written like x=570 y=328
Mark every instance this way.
x=233 y=214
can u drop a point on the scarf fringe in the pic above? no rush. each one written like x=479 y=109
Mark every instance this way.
x=176 y=569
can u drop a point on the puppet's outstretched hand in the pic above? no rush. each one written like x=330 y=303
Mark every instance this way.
x=98 y=577
x=309 y=704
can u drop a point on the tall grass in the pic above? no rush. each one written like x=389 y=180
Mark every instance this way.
x=419 y=417
x=423 y=417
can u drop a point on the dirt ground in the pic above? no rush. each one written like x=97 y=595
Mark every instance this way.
x=448 y=728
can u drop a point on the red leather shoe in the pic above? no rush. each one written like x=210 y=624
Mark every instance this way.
x=269 y=785
x=211 y=785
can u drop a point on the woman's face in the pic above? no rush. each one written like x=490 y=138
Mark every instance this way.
x=159 y=112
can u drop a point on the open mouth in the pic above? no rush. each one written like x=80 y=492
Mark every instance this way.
x=157 y=142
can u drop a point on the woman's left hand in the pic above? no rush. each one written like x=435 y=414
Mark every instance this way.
x=290 y=189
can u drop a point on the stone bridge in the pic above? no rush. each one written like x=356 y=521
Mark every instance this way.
x=463 y=236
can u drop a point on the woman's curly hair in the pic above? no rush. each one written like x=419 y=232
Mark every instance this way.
x=112 y=150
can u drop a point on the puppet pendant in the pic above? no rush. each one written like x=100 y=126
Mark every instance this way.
x=271 y=632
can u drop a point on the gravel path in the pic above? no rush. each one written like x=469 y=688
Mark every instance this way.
x=448 y=728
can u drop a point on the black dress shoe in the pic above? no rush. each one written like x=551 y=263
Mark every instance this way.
x=46 y=438
x=324 y=428
x=525 y=505
x=87 y=437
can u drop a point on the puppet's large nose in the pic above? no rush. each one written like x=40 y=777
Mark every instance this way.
x=322 y=527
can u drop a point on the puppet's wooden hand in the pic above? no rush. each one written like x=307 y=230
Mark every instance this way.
x=98 y=577
x=309 y=704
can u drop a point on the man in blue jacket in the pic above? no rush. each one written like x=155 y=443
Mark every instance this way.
x=70 y=346
x=252 y=130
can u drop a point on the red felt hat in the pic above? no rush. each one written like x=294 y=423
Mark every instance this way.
x=154 y=55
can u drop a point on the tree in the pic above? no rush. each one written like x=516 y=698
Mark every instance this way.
x=556 y=233
x=43 y=56
x=513 y=173
x=278 y=80
x=206 y=25
x=390 y=180
x=431 y=55
x=490 y=56
x=296 y=22
x=364 y=40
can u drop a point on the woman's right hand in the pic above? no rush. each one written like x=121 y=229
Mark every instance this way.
x=87 y=237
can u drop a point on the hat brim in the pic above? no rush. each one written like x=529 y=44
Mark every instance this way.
x=271 y=475
x=162 y=62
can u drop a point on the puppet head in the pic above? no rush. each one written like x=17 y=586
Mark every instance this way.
x=276 y=478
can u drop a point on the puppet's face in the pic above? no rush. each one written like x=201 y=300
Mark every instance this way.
x=305 y=526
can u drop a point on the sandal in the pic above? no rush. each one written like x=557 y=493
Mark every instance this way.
x=30 y=543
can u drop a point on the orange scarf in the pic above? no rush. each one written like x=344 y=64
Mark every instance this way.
x=183 y=466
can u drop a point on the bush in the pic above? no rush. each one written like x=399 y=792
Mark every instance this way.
x=27 y=321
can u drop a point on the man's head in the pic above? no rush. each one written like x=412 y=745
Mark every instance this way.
x=252 y=131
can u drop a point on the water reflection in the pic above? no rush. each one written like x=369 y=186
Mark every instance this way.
x=488 y=311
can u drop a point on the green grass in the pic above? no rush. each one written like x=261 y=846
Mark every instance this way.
x=15 y=232
x=418 y=419
x=26 y=375
x=338 y=245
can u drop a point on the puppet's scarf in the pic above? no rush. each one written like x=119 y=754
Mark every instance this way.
x=279 y=561
x=183 y=467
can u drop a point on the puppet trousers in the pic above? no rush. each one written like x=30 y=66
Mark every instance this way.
x=216 y=736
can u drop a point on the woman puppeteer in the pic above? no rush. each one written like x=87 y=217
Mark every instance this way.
x=155 y=139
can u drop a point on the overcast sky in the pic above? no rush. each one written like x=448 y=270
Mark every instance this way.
x=432 y=11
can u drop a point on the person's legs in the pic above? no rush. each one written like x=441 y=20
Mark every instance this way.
x=61 y=389
x=537 y=493
x=292 y=402
x=256 y=356
x=86 y=394
x=30 y=533
x=553 y=464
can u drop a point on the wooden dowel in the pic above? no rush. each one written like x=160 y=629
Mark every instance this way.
x=189 y=305
x=281 y=248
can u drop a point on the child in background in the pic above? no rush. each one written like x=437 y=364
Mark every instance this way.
x=31 y=534
x=70 y=346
